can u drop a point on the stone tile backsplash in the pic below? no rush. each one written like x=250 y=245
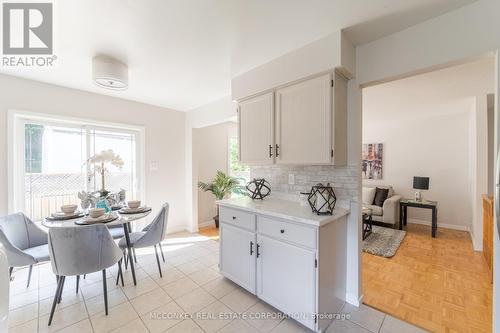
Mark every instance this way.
x=343 y=179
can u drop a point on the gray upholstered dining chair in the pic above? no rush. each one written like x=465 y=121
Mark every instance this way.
x=82 y=250
x=25 y=243
x=154 y=234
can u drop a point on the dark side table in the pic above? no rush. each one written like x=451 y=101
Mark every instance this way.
x=403 y=216
x=367 y=222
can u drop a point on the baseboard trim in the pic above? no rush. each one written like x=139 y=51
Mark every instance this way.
x=206 y=224
x=353 y=300
x=441 y=225
x=176 y=229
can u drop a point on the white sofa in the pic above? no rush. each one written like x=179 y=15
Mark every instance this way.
x=389 y=212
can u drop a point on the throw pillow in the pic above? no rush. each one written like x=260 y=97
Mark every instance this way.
x=368 y=195
x=380 y=196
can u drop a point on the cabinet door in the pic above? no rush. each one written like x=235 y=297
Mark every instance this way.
x=237 y=256
x=303 y=122
x=286 y=278
x=256 y=130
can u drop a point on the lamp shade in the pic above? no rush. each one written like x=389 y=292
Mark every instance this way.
x=421 y=183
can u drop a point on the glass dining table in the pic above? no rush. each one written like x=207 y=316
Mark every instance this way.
x=123 y=219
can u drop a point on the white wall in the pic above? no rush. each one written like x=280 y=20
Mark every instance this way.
x=164 y=139
x=210 y=145
x=435 y=125
x=217 y=112
x=430 y=146
x=468 y=32
x=325 y=54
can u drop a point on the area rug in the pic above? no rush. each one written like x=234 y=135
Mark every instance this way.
x=383 y=242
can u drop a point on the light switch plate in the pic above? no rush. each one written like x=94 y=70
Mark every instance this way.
x=154 y=166
x=291 y=179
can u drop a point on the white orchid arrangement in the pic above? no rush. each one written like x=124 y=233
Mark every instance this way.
x=101 y=162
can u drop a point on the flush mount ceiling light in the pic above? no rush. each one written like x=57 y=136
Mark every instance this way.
x=109 y=73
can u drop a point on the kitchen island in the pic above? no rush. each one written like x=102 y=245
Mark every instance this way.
x=288 y=256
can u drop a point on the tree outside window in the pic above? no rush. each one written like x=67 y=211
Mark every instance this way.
x=236 y=169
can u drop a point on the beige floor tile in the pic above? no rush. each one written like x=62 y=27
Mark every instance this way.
x=68 y=299
x=23 y=314
x=213 y=317
x=23 y=299
x=28 y=327
x=219 y=287
x=83 y=326
x=263 y=324
x=195 y=300
x=118 y=316
x=164 y=317
x=140 y=274
x=135 y=326
x=346 y=326
x=191 y=267
x=150 y=301
x=291 y=326
x=96 y=289
x=143 y=286
x=169 y=275
x=186 y=326
x=364 y=316
x=96 y=304
x=394 y=325
x=204 y=275
x=180 y=287
x=240 y=326
x=63 y=318
x=179 y=260
x=209 y=259
x=239 y=300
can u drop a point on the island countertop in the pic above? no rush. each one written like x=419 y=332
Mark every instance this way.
x=286 y=209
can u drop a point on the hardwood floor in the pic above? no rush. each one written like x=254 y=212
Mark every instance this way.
x=211 y=232
x=439 y=284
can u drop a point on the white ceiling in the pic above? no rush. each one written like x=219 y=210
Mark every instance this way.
x=447 y=91
x=182 y=53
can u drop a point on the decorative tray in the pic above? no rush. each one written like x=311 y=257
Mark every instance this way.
x=60 y=216
x=106 y=218
x=138 y=210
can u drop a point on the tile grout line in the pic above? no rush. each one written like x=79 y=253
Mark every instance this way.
x=382 y=324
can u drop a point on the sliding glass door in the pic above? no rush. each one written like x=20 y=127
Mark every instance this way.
x=54 y=167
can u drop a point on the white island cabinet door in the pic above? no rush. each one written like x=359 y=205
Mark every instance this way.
x=237 y=256
x=286 y=278
x=303 y=122
x=256 y=130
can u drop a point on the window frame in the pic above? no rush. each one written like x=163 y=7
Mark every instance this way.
x=16 y=145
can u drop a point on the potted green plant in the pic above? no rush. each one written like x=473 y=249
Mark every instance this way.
x=220 y=187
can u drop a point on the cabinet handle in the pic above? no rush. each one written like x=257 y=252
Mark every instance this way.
x=277 y=150
x=282 y=231
x=258 y=252
x=270 y=151
x=251 y=248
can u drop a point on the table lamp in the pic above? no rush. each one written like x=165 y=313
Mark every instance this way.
x=420 y=183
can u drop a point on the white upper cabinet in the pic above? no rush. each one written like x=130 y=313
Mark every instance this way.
x=256 y=130
x=303 y=122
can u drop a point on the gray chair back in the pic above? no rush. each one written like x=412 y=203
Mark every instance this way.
x=21 y=231
x=81 y=250
x=156 y=230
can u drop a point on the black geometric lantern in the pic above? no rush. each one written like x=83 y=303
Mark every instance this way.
x=322 y=199
x=258 y=188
